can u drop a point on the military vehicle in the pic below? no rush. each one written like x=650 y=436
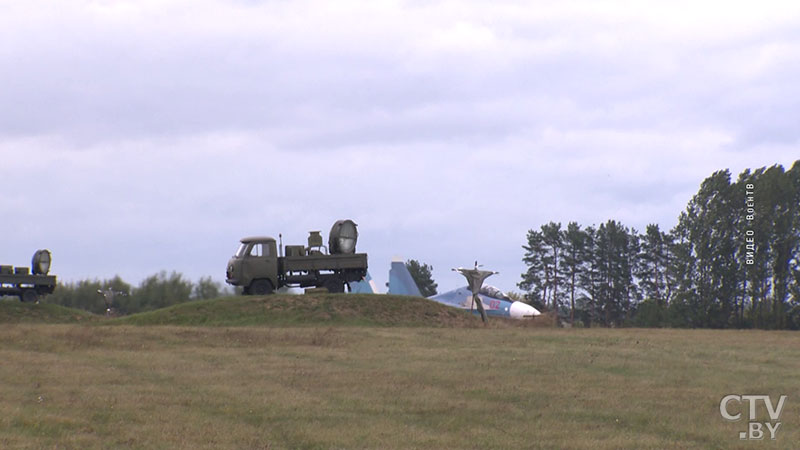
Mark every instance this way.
x=29 y=285
x=260 y=268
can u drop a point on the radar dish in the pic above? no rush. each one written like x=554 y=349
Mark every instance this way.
x=40 y=264
x=343 y=237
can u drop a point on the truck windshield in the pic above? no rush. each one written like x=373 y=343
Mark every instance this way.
x=240 y=250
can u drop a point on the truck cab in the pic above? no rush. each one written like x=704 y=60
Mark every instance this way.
x=254 y=266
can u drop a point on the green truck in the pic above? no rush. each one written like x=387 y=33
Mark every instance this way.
x=29 y=285
x=260 y=266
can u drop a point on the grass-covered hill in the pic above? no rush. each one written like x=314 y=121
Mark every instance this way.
x=308 y=309
x=14 y=311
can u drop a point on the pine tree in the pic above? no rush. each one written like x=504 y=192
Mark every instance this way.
x=652 y=265
x=553 y=241
x=589 y=278
x=534 y=280
x=633 y=294
x=613 y=247
x=682 y=270
x=422 y=274
x=574 y=260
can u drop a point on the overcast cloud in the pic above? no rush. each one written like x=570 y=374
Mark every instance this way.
x=148 y=135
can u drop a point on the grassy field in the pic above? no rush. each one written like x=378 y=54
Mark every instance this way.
x=98 y=383
x=89 y=386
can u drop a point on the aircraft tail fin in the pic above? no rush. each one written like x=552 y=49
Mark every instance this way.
x=400 y=281
x=365 y=286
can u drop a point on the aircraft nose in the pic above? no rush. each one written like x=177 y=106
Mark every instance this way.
x=521 y=310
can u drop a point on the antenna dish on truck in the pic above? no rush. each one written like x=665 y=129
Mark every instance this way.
x=41 y=262
x=343 y=237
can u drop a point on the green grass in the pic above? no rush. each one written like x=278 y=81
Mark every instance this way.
x=359 y=371
x=309 y=309
x=78 y=386
x=14 y=311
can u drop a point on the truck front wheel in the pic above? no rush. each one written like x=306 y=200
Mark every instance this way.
x=261 y=287
x=335 y=286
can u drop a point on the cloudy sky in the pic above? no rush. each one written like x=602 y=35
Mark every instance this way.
x=139 y=136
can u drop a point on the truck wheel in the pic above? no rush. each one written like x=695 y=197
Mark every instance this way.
x=261 y=287
x=29 y=296
x=334 y=286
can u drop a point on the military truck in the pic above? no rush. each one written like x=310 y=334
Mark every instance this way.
x=29 y=286
x=260 y=267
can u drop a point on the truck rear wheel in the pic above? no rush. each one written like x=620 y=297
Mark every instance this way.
x=261 y=287
x=29 y=296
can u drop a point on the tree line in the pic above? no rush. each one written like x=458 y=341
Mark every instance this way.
x=154 y=292
x=732 y=261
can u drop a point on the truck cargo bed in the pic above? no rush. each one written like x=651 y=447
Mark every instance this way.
x=313 y=263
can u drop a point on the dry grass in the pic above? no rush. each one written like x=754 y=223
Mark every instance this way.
x=78 y=386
